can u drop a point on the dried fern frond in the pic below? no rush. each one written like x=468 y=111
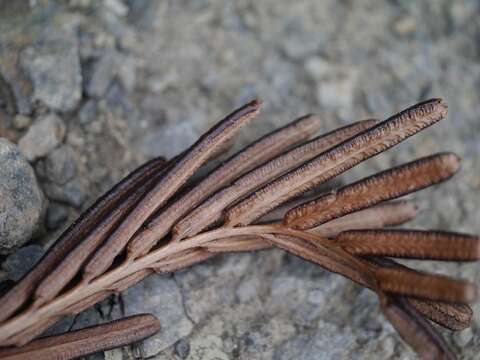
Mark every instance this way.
x=252 y=202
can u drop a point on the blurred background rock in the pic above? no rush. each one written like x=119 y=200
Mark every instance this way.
x=91 y=89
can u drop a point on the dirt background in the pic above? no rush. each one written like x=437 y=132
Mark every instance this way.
x=91 y=89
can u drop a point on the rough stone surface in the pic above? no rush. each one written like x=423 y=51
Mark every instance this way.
x=161 y=297
x=21 y=200
x=54 y=68
x=73 y=193
x=59 y=165
x=144 y=78
x=57 y=214
x=44 y=135
x=101 y=75
x=19 y=263
x=182 y=348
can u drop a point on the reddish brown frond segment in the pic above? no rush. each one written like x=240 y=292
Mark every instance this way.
x=337 y=160
x=426 y=286
x=264 y=149
x=433 y=245
x=380 y=216
x=455 y=316
x=212 y=209
x=387 y=185
x=180 y=172
x=86 y=341
x=416 y=331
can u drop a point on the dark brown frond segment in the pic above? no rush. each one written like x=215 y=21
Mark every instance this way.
x=449 y=315
x=86 y=341
x=20 y=293
x=387 y=185
x=55 y=281
x=337 y=160
x=180 y=172
x=264 y=149
x=394 y=213
x=416 y=331
x=415 y=244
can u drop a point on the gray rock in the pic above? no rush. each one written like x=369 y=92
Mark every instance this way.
x=330 y=342
x=57 y=214
x=335 y=84
x=73 y=192
x=101 y=74
x=161 y=297
x=53 y=66
x=463 y=338
x=115 y=354
x=88 y=112
x=59 y=165
x=182 y=348
x=46 y=133
x=208 y=347
x=19 y=263
x=61 y=326
x=21 y=200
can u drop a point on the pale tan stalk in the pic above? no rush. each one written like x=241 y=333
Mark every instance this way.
x=239 y=243
x=104 y=283
x=182 y=261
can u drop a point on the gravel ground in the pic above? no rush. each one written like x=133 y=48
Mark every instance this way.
x=91 y=89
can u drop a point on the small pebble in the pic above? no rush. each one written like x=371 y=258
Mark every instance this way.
x=462 y=338
x=88 y=112
x=21 y=200
x=60 y=165
x=53 y=66
x=46 y=133
x=182 y=348
x=73 y=193
x=19 y=263
x=101 y=74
